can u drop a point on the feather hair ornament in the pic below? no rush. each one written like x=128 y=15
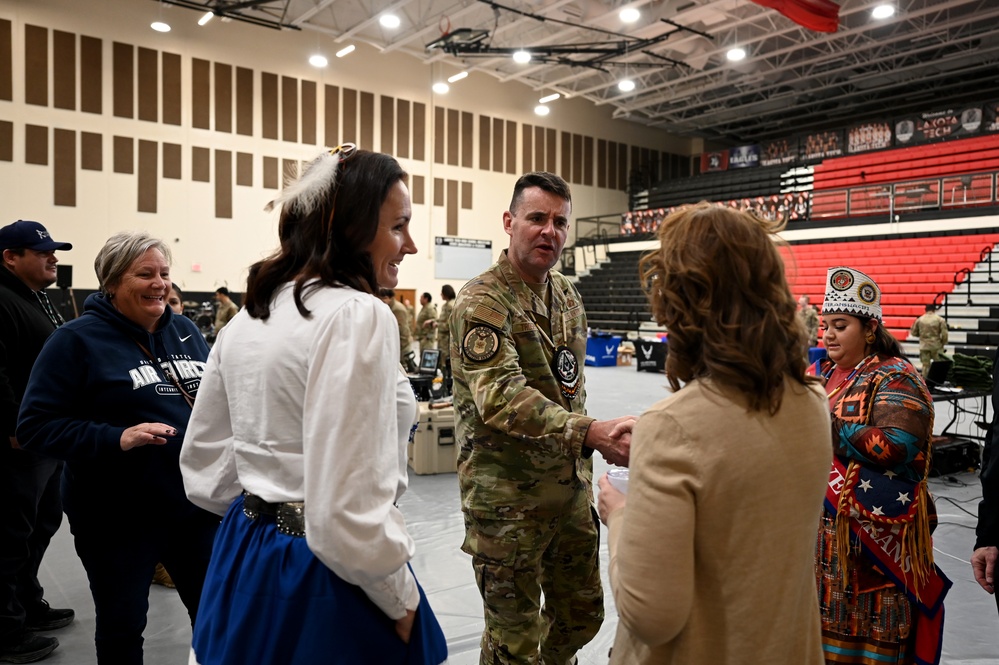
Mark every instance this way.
x=306 y=194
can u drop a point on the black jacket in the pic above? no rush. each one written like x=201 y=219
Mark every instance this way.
x=24 y=327
x=988 y=509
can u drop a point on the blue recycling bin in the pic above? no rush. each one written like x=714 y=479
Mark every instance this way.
x=601 y=350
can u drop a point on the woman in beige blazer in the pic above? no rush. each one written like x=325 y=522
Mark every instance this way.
x=712 y=547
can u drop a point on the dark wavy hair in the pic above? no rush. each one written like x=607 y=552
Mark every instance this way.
x=885 y=343
x=717 y=283
x=336 y=255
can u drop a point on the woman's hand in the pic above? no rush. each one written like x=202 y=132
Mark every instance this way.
x=609 y=500
x=404 y=626
x=145 y=434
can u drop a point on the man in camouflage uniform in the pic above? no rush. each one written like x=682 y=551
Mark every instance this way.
x=425 y=322
x=518 y=341
x=810 y=319
x=444 y=333
x=931 y=330
x=404 y=320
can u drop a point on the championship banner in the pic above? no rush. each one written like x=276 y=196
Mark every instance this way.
x=822 y=145
x=778 y=152
x=938 y=125
x=990 y=121
x=744 y=156
x=868 y=136
x=714 y=161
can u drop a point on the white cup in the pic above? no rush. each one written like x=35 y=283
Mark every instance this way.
x=618 y=477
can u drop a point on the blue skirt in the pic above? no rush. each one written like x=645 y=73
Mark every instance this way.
x=268 y=599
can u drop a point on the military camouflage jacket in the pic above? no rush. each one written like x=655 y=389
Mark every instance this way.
x=426 y=334
x=519 y=395
x=931 y=329
x=444 y=330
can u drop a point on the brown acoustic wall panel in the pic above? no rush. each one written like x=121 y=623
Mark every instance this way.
x=467 y=139
x=419 y=131
x=223 y=184
x=349 y=134
x=498 y=144
x=64 y=167
x=622 y=167
x=91 y=151
x=36 y=65
x=388 y=125
x=123 y=154
x=171 y=161
x=148 y=85
x=466 y=195
x=223 y=98
x=268 y=105
x=551 y=151
x=440 y=133
x=577 y=158
x=539 y=149
x=244 y=169
x=6 y=141
x=332 y=116
x=527 y=149
x=289 y=109
x=201 y=93
x=611 y=165
x=244 y=101
x=91 y=75
x=453 y=137
x=123 y=80
x=418 y=192
x=588 y=160
x=148 y=178
x=402 y=138
x=270 y=173
x=309 y=112
x=64 y=71
x=438 y=191
x=6 y=60
x=511 y=147
x=452 y=207
x=171 y=88
x=566 y=171
x=636 y=159
x=485 y=139
x=36 y=145
x=601 y=162
x=201 y=167
x=367 y=120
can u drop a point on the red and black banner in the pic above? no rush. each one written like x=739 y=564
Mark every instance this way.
x=938 y=125
x=868 y=136
x=779 y=152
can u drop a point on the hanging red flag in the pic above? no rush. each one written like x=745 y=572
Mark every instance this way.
x=818 y=15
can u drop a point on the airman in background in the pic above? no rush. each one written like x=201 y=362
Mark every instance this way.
x=403 y=318
x=931 y=329
x=426 y=322
x=810 y=319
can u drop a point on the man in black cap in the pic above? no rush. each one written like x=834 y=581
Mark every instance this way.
x=29 y=484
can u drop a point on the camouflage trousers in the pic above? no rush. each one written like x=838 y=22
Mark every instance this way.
x=926 y=355
x=515 y=561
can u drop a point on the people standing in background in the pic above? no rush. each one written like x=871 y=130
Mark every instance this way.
x=299 y=438
x=404 y=321
x=227 y=308
x=425 y=322
x=810 y=319
x=30 y=498
x=693 y=580
x=444 y=333
x=111 y=394
x=931 y=329
x=524 y=467
x=175 y=301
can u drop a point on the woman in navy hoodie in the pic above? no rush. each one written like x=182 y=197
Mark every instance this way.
x=111 y=394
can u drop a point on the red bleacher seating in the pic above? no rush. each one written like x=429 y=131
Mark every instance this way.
x=910 y=271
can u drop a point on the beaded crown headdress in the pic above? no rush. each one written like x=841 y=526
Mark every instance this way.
x=850 y=291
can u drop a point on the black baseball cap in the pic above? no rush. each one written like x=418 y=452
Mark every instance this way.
x=24 y=234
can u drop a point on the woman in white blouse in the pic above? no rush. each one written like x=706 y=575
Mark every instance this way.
x=299 y=438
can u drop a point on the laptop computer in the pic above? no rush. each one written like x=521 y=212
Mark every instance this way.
x=936 y=376
x=428 y=361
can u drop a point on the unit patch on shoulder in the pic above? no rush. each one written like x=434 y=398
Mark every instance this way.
x=480 y=343
x=565 y=367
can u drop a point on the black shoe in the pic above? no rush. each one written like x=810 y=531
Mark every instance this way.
x=29 y=649
x=48 y=618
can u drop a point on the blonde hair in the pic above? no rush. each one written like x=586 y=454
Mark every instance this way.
x=120 y=251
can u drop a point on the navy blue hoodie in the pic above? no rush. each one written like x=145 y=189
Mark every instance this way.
x=90 y=383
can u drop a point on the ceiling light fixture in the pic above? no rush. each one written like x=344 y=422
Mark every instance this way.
x=629 y=15
x=550 y=98
x=736 y=54
x=159 y=26
x=522 y=57
x=457 y=77
x=541 y=109
x=318 y=60
x=441 y=88
x=883 y=11
x=346 y=50
x=390 y=21
x=206 y=18
x=626 y=85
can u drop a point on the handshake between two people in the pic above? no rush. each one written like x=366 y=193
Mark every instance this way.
x=612 y=438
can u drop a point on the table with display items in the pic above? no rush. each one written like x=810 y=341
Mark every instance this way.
x=955 y=452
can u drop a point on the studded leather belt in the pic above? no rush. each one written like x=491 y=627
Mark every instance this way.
x=290 y=515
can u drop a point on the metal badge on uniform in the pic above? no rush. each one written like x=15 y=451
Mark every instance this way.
x=565 y=367
x=480 y=343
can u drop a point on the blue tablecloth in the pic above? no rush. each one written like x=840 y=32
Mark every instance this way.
x=601 y=350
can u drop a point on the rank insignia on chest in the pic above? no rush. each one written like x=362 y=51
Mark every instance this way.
x=480 y=343
x=565 y=367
